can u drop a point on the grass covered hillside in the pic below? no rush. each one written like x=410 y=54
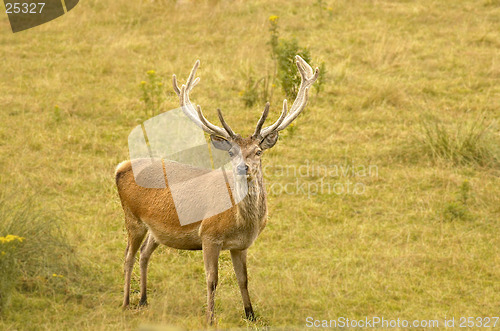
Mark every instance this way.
x=384 y=196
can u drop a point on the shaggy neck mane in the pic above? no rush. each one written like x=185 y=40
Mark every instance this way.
x=253 y=207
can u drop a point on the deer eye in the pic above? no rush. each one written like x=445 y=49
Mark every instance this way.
x=231 y=154
x=259 y=153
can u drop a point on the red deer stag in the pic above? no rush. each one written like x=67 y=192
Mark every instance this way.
x=151 y=211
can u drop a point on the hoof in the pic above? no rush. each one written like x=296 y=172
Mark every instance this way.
x=211 y=320
x=249 y=314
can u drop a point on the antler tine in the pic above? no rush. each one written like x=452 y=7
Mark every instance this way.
x=187 y=107
x=306 y=70
x=187 y=111
x=273 y=127
x=224 y=124
x=174 y=84
x=214 y=128
x=261 y=121
x=297 y=108
x=308 y=77
x=191 y=81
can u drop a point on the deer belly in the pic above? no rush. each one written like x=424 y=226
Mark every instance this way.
x=184 y=239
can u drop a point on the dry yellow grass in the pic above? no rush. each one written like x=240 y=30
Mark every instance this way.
x=388 y=252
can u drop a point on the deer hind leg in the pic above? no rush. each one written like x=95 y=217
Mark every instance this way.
x=239 y=259
x=211 y=258
x=136 y=232
x=147 y=248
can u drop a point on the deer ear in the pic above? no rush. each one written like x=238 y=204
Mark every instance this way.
x=220 y=143
x=269 y=141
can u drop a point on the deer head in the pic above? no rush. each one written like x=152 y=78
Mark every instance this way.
x=246 y=153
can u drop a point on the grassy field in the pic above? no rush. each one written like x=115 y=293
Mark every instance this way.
x=412 y=89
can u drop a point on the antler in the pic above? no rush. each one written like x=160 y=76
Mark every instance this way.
x=258 y=130
x=308 y=77
x=261 y=121
x=196 y=115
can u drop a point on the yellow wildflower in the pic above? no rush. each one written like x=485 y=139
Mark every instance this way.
x=329 y=9
x=143 y=83
x=151 y=72
x=11 y=237
x=3 y=253
x=273 y=18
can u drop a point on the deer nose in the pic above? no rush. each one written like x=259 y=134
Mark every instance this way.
x=242 y=169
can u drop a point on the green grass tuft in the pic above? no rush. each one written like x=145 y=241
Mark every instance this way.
x=469 y=143
x=41 y=261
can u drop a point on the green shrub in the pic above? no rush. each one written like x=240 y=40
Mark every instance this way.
x=283 y=52
x=288 y=74
x=285 y=73
x=153 y=93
